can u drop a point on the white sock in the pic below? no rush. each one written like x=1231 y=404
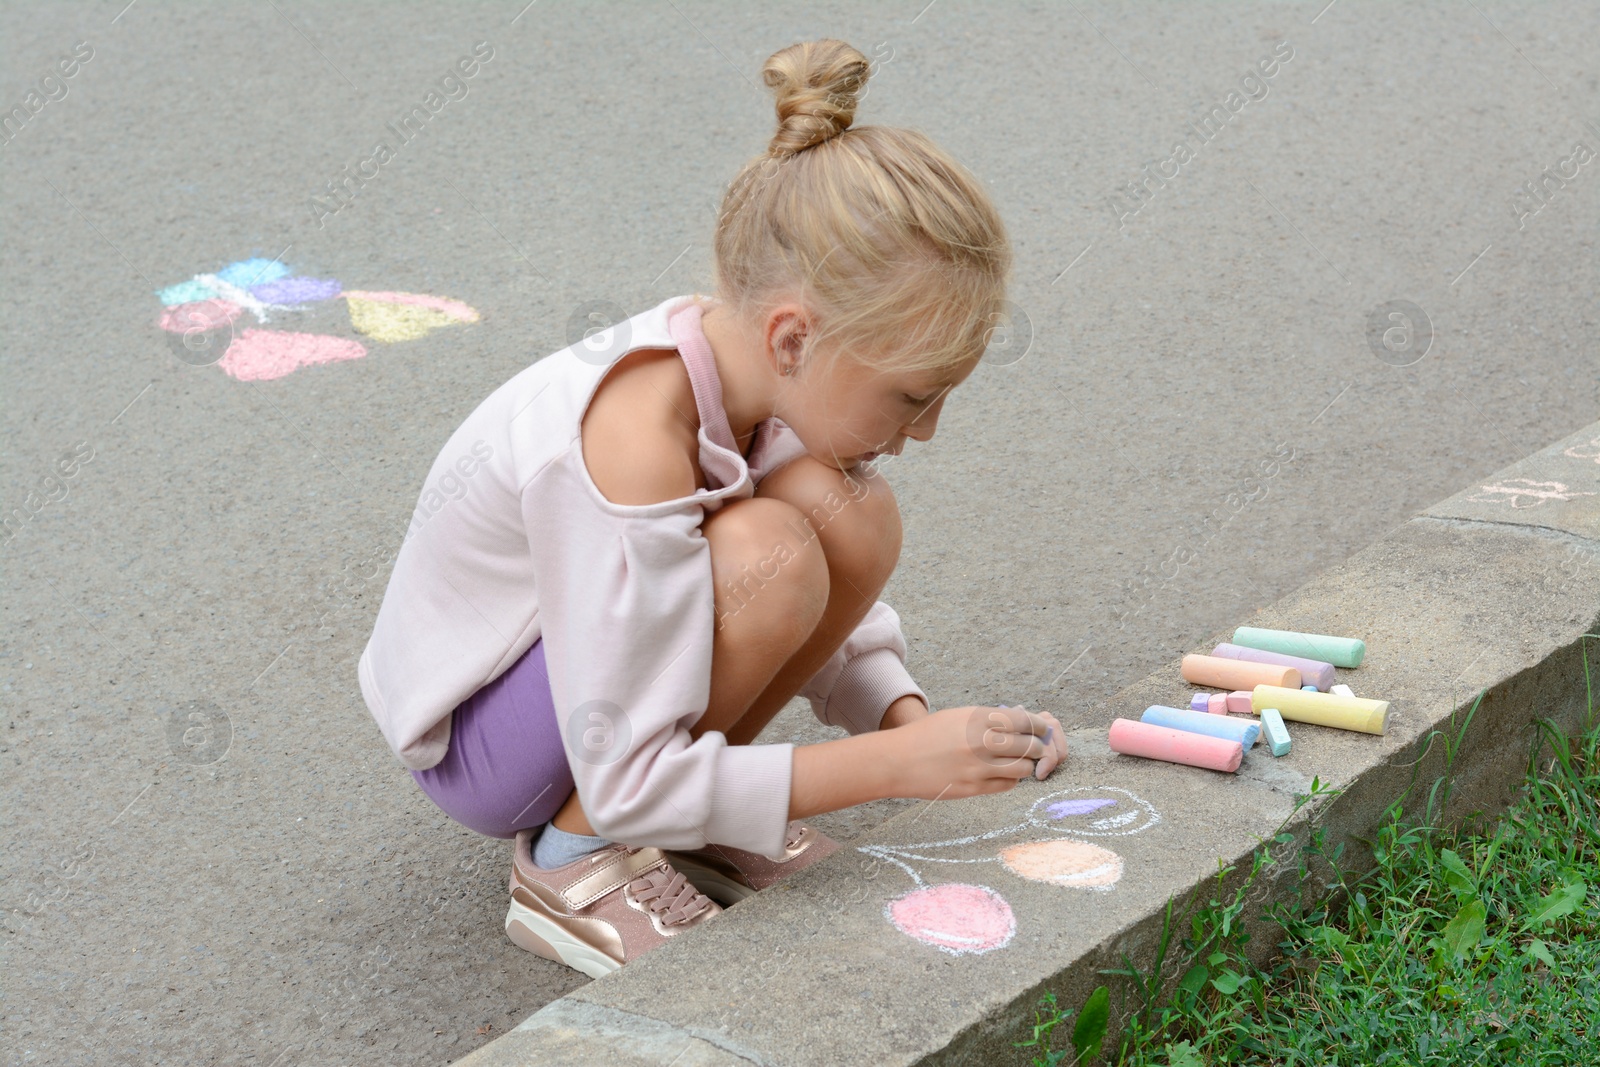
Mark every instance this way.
x=557 y=848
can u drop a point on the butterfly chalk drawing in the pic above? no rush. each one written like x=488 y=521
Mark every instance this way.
x=963 y=918
x=202 y=315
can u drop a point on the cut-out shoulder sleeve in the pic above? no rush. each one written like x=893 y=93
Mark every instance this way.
x=626 y=609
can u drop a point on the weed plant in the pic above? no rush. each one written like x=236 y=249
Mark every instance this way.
x=1478 y=944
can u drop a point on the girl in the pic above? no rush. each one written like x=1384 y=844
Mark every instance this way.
x=635 y=552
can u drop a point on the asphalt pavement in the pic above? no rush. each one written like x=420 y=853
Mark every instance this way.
x=1367 y=280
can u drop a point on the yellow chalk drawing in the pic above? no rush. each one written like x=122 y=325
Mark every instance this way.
x=391 y=317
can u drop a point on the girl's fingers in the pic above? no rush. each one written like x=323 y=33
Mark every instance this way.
x=1008 y=748
x=1058 y=748
x=1042 y=740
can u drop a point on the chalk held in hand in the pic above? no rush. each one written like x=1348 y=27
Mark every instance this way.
x=1339 y=651
x=1313 y=672
x=1275 y=732
x=1202 y=723
x=1323 y=709
x=1222 y=673
x=1175 y=746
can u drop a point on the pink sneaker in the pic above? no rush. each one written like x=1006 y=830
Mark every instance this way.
x=728 y=875
x=601 y=910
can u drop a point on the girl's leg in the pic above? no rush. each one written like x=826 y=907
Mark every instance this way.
x=795 y=569
x=506 y=768
x=856 y=520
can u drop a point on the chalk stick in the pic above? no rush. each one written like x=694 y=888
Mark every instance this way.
x=1313 y=672
x=1308 y=689
x=1323 y=709
x=1175 y=746
x=1196 y=722
x=1239 y=703
x=1275 y=732
x=1236 y=673
x=1200 y=702
x=1341 y=690
x=1339 y=651
x=1217 y=704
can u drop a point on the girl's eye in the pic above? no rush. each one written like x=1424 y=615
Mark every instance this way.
x=916 y=400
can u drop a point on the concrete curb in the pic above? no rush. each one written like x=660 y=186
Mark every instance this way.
x=1489 y=592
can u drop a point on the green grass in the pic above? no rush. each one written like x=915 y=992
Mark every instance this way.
x=1478 y=945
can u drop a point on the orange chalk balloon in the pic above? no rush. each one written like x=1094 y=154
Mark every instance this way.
x=1069 y=863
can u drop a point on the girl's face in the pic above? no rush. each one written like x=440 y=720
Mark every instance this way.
x=862 y=412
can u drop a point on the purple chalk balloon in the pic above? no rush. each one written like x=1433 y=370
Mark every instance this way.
x=1063 y=808
x=296 y=290
x=1312 y=671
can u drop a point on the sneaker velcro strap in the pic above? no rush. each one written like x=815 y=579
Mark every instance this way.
x=620 y=870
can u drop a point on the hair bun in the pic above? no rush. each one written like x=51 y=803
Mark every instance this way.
x=816 y=84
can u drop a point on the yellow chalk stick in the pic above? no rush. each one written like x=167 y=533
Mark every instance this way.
x=1323 y=709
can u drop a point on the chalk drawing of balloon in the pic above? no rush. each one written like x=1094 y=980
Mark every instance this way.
x=1077 y=864
x=954 y=917
x=1093 y=811
x=962 y=918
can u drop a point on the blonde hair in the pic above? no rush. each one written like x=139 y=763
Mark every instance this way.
x=892 y=245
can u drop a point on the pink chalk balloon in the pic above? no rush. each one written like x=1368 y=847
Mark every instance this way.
x=958 y=918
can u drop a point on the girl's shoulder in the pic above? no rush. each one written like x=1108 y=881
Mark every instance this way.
x=640 y=431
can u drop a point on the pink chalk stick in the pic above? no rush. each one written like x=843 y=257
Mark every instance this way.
x=1217 y=703
x=1175 y=746
x=1312 y=671
x=1221 y=673
x=1239 y=703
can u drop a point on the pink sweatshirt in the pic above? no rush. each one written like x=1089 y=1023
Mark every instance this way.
x=512 y=541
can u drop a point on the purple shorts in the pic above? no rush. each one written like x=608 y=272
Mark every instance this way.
x=506 y=767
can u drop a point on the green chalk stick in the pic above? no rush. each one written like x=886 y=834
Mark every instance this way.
x=1276 y=733
x=1339 y=651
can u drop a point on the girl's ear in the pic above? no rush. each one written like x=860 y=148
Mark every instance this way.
x=786 y=335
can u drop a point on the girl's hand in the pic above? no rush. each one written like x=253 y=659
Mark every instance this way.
x=1057 y=741
x=970 y=751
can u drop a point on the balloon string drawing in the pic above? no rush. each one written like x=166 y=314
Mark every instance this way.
x=202 y=313
x=963 y=918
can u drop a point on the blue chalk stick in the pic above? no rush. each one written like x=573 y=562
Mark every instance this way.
x=1277 y=734
x=1308 y=689
x=1200 y=702
x=1241 y=730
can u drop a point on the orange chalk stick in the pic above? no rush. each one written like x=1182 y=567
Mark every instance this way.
x=1237 y=673
x=1175 y=746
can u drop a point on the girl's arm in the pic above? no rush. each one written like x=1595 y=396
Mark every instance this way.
x=956 y=753
x=905 y=710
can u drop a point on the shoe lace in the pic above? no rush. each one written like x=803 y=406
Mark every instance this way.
x=667 y=893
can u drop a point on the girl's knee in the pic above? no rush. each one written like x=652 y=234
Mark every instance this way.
x=763 y=560
x=854 y=511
